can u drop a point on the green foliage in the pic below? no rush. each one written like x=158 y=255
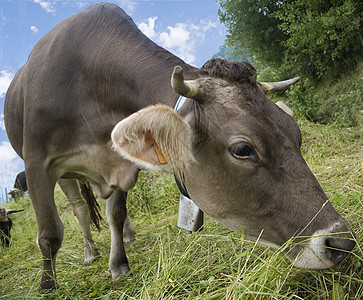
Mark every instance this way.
x=324 y=37
x=152 y=187
x=169 y=263
x=252 y=24
x=236 y=53
x=320 y=39
x=339 y=103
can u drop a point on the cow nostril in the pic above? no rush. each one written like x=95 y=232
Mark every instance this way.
x=339 y=248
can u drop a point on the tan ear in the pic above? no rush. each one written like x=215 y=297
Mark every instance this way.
x=154 y=138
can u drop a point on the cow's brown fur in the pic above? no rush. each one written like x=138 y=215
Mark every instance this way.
x=95 y=70
x=236 y=72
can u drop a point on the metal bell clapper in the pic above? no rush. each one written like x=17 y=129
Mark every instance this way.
x=190 y=217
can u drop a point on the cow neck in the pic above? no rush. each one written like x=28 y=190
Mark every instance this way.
x=179 y=182
x=180 y=103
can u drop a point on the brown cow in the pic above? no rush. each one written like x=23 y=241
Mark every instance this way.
x=236 y=153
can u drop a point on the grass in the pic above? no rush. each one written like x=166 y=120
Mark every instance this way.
x=169 y=263
x=338 y=102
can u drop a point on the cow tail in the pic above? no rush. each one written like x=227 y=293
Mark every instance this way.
x=93 y=205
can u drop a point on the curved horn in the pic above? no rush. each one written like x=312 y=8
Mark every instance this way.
x=186 y=88
x=272 y=87
x=11 y=211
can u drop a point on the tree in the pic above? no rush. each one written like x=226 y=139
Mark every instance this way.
x=319 y=38
x=324 y=37
x=253 y=25
x=232 y=53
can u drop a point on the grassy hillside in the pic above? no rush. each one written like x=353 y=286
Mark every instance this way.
x=337 y=102
x=169 y=263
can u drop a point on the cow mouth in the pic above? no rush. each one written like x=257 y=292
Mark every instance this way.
x=324 y=249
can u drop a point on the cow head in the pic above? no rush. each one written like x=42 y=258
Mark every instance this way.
x=16 y=194
x=238 y=155
x=3 y=214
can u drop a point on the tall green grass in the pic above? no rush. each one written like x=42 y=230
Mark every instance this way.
x=339 y=103
x=169 y=263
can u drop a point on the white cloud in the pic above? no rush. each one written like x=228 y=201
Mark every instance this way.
x=148 y=28
x=34 y=29
x=182 y=39
x=177 y=35
x=178 y=40
x=5 y=79
x=46 y=5
x=7 y=152
x=10 y=165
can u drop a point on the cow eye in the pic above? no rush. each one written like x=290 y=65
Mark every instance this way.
x=241 y=150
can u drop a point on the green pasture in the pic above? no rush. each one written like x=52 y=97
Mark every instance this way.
x=170 y=263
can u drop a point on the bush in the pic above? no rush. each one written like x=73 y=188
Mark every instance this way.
x=324 y=37
x=319 y=39
x=337 y=103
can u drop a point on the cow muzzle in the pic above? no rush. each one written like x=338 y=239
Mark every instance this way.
x=324 y=248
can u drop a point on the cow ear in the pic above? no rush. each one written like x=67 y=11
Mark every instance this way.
x=154 y=138
x=284 y=107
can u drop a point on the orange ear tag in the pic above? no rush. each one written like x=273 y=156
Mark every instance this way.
x=160 y=155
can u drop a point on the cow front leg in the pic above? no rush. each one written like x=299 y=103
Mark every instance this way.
x=116 y=216
x=81 y=211
x=50 y=227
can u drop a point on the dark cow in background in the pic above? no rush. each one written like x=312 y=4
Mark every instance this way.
x=20 y=182
x=19 y=186
x=95 y=102
x=5 y=224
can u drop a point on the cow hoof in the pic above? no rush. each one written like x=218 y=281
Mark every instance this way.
x=122 y=277
x=90 y=261
x=121 y=273
x=129 y=235
x=48 y=284
x=129 y=238
x=128 y=231
x=91 y=257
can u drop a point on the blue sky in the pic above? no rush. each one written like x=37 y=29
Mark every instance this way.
x=188 y=28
